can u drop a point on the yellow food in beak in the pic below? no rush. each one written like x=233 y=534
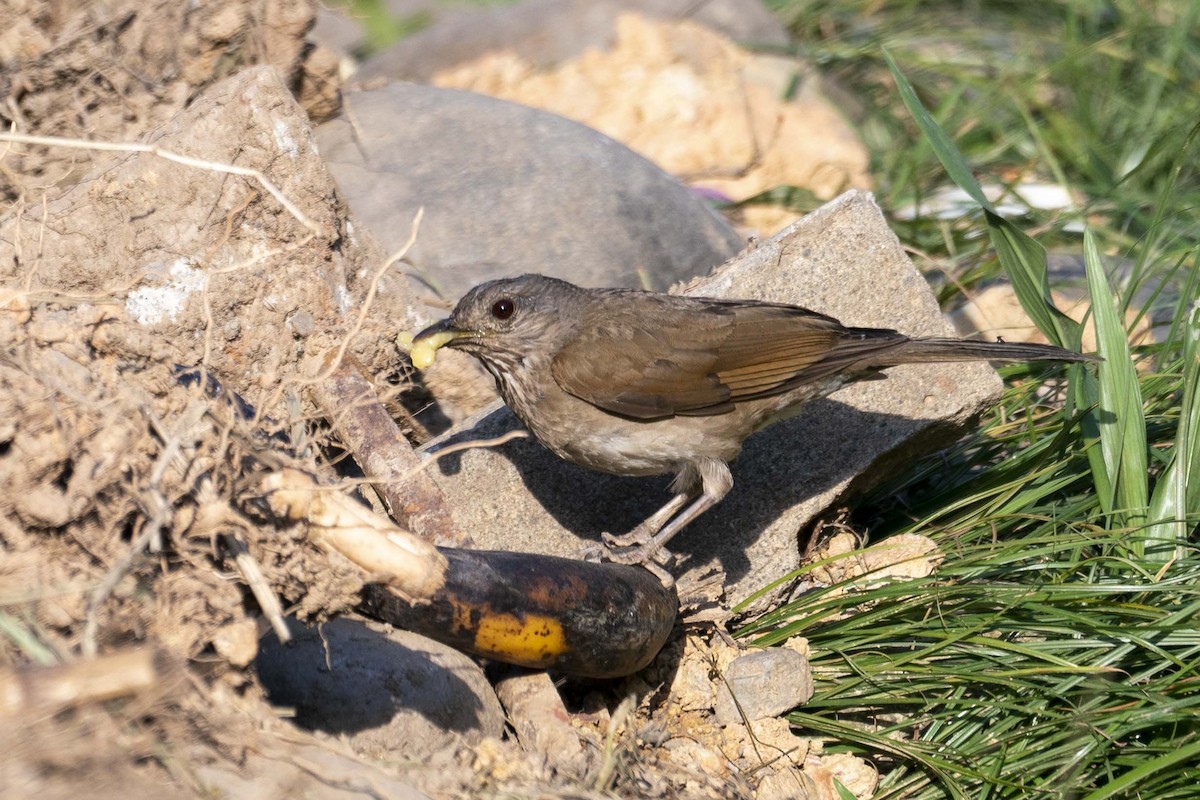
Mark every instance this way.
x=422 y=351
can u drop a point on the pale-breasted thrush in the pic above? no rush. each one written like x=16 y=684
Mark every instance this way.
x=639 y=383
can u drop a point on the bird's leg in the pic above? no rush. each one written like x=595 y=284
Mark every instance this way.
x=613 y=548
x=643 y=545
x=645 y=531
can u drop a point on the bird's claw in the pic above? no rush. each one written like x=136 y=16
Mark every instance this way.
x=635 y=539
x=632 y=550
x=604 y=553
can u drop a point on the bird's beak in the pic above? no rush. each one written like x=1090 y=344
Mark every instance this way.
x=426 y=343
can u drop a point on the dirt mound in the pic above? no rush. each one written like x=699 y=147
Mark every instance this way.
x=164 y=309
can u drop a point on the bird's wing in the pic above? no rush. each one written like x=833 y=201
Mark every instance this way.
x=701 y=357
x=774 y=349
x=646 y=360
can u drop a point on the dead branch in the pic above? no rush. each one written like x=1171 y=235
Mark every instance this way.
x=369 y=432
x=51 y=688
x=410 y=567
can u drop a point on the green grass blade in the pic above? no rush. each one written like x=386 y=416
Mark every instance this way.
x=1024 y=261
x=1085 y=394
x=1126 y=785
x=1190 y=411
x=1120 y=417
x=26 y=641
x=1021 y=256
x=842 y=792
x=1176 y=498
x=955 y=165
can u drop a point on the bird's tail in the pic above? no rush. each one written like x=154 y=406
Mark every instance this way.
x=938 y=350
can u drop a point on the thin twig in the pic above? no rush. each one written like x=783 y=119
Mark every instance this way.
x=334 y=362
x=48 y=689
x=252 y=574
x=474 y=444
x=150 y=531
x=463 y=426
x=365 y=309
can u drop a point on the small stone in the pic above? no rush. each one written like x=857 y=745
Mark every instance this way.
x=509 y=189
x=548 y=32
x=694 y=755
x=766 y=683
x=786 y=784
x=302 y=323
x=904 y=557
x=858 y=776
x=44 y=506
x=744 y=744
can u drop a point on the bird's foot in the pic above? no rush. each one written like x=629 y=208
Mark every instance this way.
x=634 y=548
x=637 y=538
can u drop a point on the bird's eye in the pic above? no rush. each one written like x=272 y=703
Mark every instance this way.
x=503 y=309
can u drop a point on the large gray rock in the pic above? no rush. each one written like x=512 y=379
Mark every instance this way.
x=508 y=189
x=546 y=32
x=842 y=260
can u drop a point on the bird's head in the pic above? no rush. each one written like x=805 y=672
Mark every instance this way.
x=505 y=322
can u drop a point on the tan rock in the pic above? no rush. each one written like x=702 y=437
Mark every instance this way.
x=857 y=775
x=696 y=104
x=905 y=556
